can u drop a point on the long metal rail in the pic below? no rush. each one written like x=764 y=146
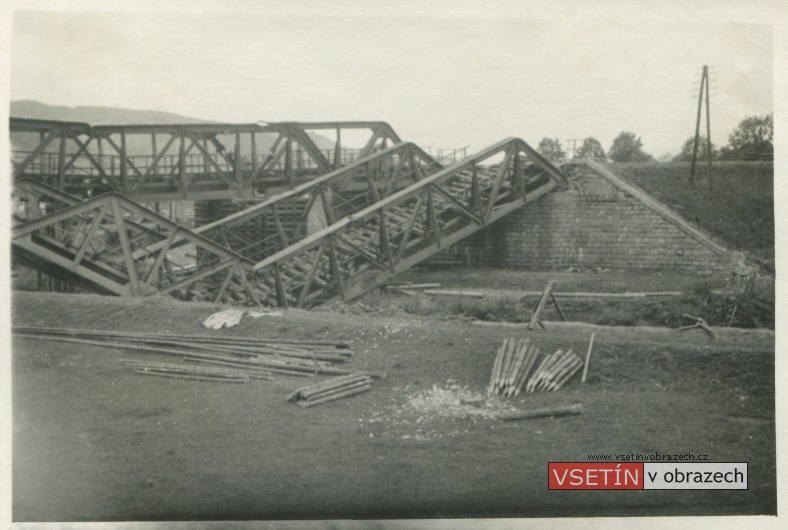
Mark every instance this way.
x=153 y=163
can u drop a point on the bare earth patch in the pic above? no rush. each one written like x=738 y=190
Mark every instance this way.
x=92 y=441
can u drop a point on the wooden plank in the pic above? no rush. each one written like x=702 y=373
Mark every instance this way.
x=561 y=410
x=588 y=357
x=334 y=397
x=540 y=306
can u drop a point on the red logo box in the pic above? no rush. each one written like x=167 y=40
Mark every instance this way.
x=595 y=476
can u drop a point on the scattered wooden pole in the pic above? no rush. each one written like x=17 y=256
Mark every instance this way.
x=467 y=294
x=334 y=397
x=563 y=410
x=588 y=357
x=733 y=314
x=533 y=355
x=540 y=306
x=699 y=323
x=496 y=368
x=570 y=371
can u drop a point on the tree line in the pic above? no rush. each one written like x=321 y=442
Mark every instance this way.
x=752 y=139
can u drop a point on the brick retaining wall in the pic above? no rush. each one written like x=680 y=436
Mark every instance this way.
x=593 y=224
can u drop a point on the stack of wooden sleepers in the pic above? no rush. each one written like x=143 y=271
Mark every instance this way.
x=514 y=361
x=215 y=358
x=331 y=390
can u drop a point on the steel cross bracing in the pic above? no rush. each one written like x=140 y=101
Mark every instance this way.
x=153 y=163
x=356 y=253
x=113 y=243
x=290 y=217
x=97 y=242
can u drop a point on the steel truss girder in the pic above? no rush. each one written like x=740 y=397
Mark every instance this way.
x=100 y=241
x=363 y=249
x=371 y=178
x=212 y=173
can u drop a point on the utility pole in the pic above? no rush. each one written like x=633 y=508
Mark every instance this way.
x=704 y=86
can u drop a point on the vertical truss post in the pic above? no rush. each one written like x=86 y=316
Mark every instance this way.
x=518 y=178
x=254 y=152
x=432 y=218
x=61 y=161
x=237 y=158
x=384 y=241
x=182 y=161
x=281 y=295
x=311 y=275
x=134 y=285
x=338 y=150
x=476 y=196
x=124 y=183
x=336 y=266
x=289 y=160
x=327 y=206
x=230 y=273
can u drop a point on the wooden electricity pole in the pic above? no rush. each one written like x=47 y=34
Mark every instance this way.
x=704 y=85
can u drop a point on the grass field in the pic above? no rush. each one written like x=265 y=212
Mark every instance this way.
x=738 y=210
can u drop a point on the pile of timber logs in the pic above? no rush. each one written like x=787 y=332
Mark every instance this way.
x=554 y=371
x=199 y=372
x=253 y=356
x=514 y=361
x=331 y=390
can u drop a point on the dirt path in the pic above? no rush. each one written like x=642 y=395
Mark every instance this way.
x=93 y=441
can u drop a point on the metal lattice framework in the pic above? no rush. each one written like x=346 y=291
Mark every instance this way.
x=363 y=249
x=290 y=217
x=184 y=161
x=101 y=242
x=410 y=209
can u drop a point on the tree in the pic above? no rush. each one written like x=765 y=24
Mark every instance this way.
x=628 y=148
x=753 y=137
x=592 y=149
x=550 y=148
x=703 y=148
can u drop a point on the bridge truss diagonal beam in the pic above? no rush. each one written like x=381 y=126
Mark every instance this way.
x=101 y=242
x=198 y=161
x=356 y=253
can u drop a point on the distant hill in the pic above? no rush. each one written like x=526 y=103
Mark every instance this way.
x=36 y=110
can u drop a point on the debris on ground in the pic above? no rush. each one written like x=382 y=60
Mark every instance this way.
x=554 y=371
x=264 y=312
x=199 y=373
x=224 y=319
x=513 y=362
x=547 y=412
x=331 y=390
x=466 y=294
x=588 y=357
x=294 y=357
x=699 y=323
x=437 y=412
x=547 y=295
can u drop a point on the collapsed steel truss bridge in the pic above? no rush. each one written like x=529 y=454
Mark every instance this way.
x=350 y=226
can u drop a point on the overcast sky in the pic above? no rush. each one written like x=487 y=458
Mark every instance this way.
x=439 y=82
